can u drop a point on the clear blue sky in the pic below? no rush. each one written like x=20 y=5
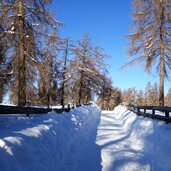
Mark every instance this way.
x=109 y=22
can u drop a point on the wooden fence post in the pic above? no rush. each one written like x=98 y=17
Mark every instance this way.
x=138 y=110
x=27 y=114
x=153 y=112
x=69 y=107
x=166 y=114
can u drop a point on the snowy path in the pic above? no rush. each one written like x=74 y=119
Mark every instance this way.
x=132 y=143
x=84 y=140
x=84 y=153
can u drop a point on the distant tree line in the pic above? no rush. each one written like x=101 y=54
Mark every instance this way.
x=37 y=66
x=147 y=97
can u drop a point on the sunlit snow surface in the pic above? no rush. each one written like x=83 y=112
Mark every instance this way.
x=84 y=140
x=133 y=143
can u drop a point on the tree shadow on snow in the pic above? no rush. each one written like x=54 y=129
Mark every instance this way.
x=130 y=160
x=117 y=151
x=84 y=154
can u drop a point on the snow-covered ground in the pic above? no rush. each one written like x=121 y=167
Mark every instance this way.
x=82 y=141
x=132 y=143
x=52 y=142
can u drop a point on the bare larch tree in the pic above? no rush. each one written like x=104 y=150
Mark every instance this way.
x=150 y=42
x=67 y=47
x=89 y=66
x=27 y=21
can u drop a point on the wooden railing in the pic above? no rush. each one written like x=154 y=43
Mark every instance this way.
x=5 y=110
x=155 y=112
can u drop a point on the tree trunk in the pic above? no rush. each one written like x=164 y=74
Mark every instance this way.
x=109 y=98
x=63 y=89
x=50 y=79
x=103 y=99
x=161 y=89
x=63 y=77
x=88 y=98
x=1 y=89
x=48 y=99
x=21 y=57
x=162 y=67
x=80 y=88
x=82 y=77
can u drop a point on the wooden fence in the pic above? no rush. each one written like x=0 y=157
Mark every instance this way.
x=5 y=110
x=155 y=112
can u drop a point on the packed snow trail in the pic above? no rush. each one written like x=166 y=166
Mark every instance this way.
x=133 y=143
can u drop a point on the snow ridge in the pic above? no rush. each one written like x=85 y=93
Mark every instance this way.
x=45 y=142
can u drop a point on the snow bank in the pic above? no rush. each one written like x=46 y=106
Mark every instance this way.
x=46 y=142
x=129 y=142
